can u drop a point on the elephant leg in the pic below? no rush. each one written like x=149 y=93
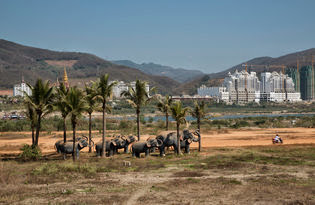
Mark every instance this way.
x=175 y=149
x=111 y=152
x=162 y=151
x=64 y=156
x=138 y=154
x=133 y=153
x=147 y=152
x=126 y=149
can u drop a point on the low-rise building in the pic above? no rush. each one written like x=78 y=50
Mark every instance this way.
x=21 y=89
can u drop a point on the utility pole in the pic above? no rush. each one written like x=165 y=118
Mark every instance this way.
x=297 y=76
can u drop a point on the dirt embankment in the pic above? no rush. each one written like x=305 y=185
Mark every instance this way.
x=11 y=142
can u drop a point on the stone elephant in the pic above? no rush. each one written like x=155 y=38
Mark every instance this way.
x=59 y=142
x=125 y=145
x=67 y=148
x=170 y=140
x=145 y=147
x=112 y=145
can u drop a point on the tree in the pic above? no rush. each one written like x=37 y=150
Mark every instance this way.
x=137 y=97
x=31 y=115
x=179 y=114
x=198 y=112
x=91 y=102
x=61 y=105
x=76 y=106
x=164 y=105
x=42 y=101
x=103 y=92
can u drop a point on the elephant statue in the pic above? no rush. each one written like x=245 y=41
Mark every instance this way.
x=170 y=140
x=128 y=140
x=67 y=148
x=111 y=145
x=145 y=147
x=59 y=142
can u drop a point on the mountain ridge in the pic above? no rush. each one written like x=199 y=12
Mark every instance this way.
x=17 y=60
x=179 y=74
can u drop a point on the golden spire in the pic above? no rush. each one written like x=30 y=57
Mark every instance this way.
x=65 y=78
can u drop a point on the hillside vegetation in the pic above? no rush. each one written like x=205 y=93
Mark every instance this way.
x=33 y=63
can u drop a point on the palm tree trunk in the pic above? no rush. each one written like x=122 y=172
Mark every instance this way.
x=166 y=115
x=104 y=130
x=138 y=124
x=64 y=130
x=178 y=139
x=39 y=117
x=199 y=137
x=90 y=132
x=74 y=153
x=33 y=140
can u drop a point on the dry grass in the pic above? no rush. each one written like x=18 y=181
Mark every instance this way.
x=262 y=174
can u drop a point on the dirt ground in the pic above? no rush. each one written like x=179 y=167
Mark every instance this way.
x=235 y=167
x=11 y=142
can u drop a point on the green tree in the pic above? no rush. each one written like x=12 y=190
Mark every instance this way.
x=42 y=101
x=77 y=106
x=198 y=112
x=91 y=102
x=137 y=97
x=61 y=105
x=103 y=92
x=179 y=114
x=164 y=105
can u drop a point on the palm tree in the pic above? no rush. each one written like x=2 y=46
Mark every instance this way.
x=91 y=101
x=179 y=113
x=61 y=105
x=31 y=115
x=198 y=112
x=103 y=92
x=41 y=100
x=164 y=106
x=137 y=97
x=76 y=106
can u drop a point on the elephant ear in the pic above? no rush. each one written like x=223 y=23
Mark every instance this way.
x=148 y=144
x=80 y=144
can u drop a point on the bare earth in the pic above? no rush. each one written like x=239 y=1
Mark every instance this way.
x=10 y=142
x=235 y=167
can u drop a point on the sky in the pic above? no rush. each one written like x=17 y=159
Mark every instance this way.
x=209 y=35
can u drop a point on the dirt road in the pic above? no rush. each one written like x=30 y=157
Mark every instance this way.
x=11 y=142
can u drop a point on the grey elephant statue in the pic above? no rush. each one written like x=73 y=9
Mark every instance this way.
x=170 y=140
x=125 y=145
x=67 y=148
x=59 y=142
x=112 y=145
x=145 y=147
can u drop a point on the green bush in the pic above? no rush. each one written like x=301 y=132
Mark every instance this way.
x=30 y=152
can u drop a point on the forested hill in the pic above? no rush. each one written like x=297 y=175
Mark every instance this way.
x=17 y=60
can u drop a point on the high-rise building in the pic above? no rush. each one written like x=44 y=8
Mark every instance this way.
x=243 y=87
x=306 y=84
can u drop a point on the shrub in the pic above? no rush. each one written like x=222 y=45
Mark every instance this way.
x=30 y=152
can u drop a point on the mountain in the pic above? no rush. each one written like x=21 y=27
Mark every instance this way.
x=17 y=60
x=179 y=74
x=257 y=65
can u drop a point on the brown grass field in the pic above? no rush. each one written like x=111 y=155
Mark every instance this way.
x=234 y=167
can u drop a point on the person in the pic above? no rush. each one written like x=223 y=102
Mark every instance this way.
x=277 y=138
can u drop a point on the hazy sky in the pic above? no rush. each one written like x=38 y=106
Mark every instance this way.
x=206 y=35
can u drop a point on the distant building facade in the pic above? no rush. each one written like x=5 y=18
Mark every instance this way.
x=243 y=87
x=219 y=93
x=21 y=89
x=122 y=86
